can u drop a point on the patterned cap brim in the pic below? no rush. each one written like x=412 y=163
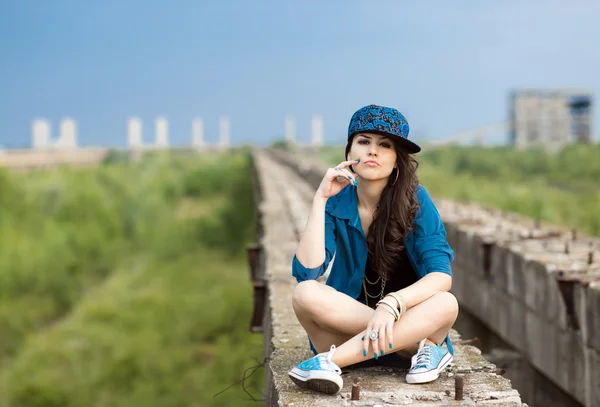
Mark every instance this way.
x=406 y=145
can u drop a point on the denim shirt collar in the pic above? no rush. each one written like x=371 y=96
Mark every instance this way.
x=345 y=206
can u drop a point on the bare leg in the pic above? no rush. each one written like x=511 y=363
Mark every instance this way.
x=430 y=319
x=333 y=318
x=328 y=316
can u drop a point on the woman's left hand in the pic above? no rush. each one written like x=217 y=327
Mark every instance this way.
x=382 y=322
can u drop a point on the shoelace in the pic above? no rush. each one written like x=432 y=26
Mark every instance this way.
x=423 y=356
x=327 y=363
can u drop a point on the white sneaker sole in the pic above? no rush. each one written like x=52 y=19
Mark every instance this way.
x=317 y=380
x=426 y=377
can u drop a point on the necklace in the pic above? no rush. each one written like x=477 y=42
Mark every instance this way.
x=372 y=282
x=367 y=295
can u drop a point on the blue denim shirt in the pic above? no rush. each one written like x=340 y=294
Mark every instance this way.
x=426 y=245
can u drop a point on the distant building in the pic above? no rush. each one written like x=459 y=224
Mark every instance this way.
x=197 y=132
x=41 y=138
x=134 y=132
x=162 y=132
x=68 y=135
x=290 y=130
x=317 y=131
x=224 y=131
x=550 y=118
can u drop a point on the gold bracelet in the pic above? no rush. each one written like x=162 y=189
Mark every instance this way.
x=395 y=297
x=391 y=307
x=386 y=302
x=391 y=310
x=403 y=305
x=400 y=300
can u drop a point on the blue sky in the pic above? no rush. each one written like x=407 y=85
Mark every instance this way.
x=448 y=66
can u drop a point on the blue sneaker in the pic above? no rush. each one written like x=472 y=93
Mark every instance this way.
x=428 y=363
x=318 y=373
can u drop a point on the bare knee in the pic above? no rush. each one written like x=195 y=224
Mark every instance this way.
x=306 y=297
x=448 y=305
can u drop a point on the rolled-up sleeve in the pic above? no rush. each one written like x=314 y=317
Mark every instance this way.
x=304 y=273
x=435 y=254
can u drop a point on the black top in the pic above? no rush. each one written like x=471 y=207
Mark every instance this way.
x=402 y=276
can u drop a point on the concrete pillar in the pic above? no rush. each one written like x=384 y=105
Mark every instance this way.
x=40 y=134
x=224 y=131
x=134 y=132
x=317 y=131
x=290 y=130
x=197 y=133
x=68 y=134
x=162 y=132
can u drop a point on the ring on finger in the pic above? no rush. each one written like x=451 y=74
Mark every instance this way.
x=373 y=335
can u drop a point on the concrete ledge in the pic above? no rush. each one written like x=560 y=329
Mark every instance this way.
x=286 y=191
x=539 y=290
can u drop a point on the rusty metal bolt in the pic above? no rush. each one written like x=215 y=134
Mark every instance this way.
x=458 y=388
x=355 y=391
x=567 y=247
x=590 y=257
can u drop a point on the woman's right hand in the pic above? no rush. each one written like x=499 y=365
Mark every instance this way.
x=336 y=179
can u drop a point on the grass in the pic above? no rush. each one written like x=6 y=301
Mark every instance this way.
x=128 y=284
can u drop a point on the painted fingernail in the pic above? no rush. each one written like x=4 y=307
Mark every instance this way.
x=376 y=356
x=349 y=177
x=355 y=182
x=364 y=353
x=390 y=346
x=382 y=353
x=357 y=160
x=362 y=339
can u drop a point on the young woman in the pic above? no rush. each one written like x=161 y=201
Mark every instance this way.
x=388 y=288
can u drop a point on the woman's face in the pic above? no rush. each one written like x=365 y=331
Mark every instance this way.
x=377 y=156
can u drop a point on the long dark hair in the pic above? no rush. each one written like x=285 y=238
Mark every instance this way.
x=394 y=214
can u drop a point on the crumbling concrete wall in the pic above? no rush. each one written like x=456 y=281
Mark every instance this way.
x=536 y=286
x=286 y=191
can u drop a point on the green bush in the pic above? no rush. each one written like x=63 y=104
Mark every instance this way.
x=159 y=334
x=108 y=296
x=573 y=167
x=70 y=233
x=116 y=157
